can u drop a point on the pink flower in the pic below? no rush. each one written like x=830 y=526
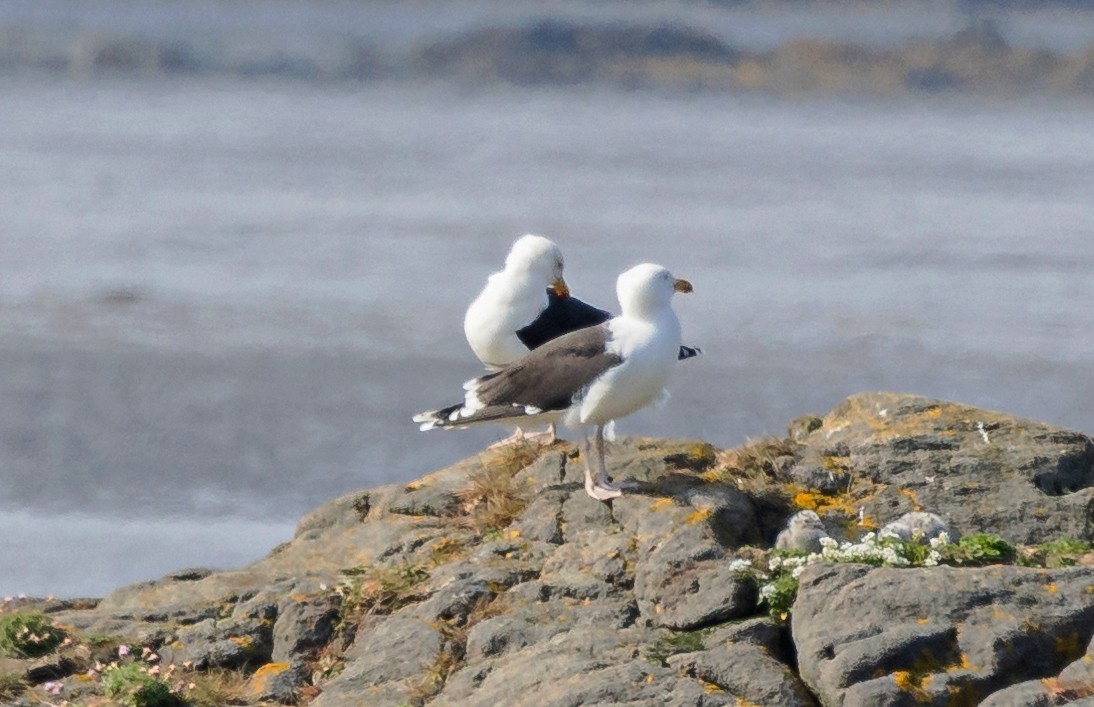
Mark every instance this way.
x=53 y=687
x=123 y=650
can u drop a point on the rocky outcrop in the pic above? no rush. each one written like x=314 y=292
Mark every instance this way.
x=882 y=455
x=939 y=635
x=499 y=581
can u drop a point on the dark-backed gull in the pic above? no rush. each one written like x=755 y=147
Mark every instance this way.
x=527 y=304
x=586 y=378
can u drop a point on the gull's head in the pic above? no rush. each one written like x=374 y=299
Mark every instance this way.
x=805 y=519
x=647 y=287
x=540 y=259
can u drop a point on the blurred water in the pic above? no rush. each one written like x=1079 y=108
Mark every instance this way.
x=220 y=302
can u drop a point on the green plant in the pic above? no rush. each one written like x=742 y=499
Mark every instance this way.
x=29 y=635
x=1063 y=552
x=134 y=686
x=779 y=595
x=979 y=549
x=674 y=642
x=378 y=590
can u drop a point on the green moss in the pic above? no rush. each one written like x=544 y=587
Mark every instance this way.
x=29 y=635
x=674 y=642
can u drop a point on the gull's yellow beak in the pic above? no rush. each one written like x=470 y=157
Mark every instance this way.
x=559 y=288
x=682 y=286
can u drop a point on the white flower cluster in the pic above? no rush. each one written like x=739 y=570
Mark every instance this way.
x=740 y=565
x=870 y=549
x=875 y=549
x=794 y=563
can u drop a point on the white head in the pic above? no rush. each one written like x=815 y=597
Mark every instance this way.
x=804 y=519
x=539 y=259
x=647 y=288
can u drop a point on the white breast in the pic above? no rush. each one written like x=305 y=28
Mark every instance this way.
x=649 y=350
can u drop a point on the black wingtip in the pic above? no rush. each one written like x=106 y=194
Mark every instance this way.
x=687 y=352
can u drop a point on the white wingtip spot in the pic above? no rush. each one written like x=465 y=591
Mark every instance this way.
x=531 y=410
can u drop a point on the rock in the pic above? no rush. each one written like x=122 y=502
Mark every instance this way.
x=748 y=672
x=542 y=520
x=762 y=631
x=596 y=665
x=389 y=649
x=275 y=682
x=305 y=624
x=682 y=578
x=873 y=636
x=692 y=594
x=987 y=472
x=804 y=532
x=406 y=594
x=222 y=644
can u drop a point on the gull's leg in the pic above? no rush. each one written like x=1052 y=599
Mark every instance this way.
x=586 y=457
x=547 y=437
x=602 y=489
x=517 y=437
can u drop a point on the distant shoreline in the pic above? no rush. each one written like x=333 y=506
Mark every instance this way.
x=983 y=48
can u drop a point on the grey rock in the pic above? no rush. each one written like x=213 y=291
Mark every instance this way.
x=550 y=471
x=746 y=671
x=277 y=682
x=593 y=666
x=692 y=594
x=228 y=644
x=542 y=520
x=305 y=624
x=804 y=532
x=974 y=631
x=455 y=600
x=682 y=578
x=985 y=471
x=532 y=622
x=601 y=556
x=1031 y=693
x=763 y=631
x=388 y=649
